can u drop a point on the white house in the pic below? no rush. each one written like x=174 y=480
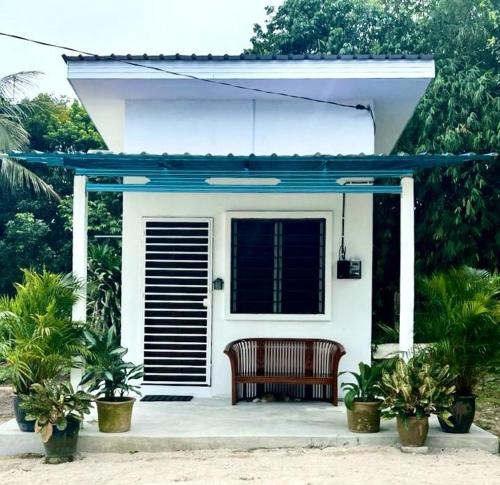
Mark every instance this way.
x=222 y=247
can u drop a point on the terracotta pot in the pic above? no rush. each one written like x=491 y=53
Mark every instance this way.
x=413 y=431
x=20 y=413
x=114 y=416
x=462 y=415
x=61 y=446
x=364 y=417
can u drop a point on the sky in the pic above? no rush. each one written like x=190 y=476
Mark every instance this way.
x=120 y=27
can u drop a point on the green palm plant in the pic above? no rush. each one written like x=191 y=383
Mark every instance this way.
x=13 y=136
x=38 y=339
x=461 y=315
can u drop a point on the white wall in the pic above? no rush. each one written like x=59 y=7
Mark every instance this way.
x=196 y=126
x=245 y=126
x=108 y=114
x=241 y=127
x=350 y=321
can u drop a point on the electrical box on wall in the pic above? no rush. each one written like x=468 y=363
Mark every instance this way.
x=349 y=269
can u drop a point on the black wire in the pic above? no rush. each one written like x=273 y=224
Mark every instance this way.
x=189 y=76
x=342 y=249
x=369 y=109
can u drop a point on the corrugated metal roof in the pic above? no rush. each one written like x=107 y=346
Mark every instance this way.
x=249 y=57
x=189 y=161
x=244 y=174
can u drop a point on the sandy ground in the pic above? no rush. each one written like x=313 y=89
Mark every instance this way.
x=295 y=466
x=6 y=410
x=367 y=466
x=488 y=404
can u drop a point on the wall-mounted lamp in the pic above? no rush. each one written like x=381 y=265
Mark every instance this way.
x=218 y=284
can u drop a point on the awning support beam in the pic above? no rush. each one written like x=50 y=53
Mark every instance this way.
x=80 y=217
x=407 y=265
x=235 y=189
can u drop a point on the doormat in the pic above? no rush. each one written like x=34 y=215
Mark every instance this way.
x=155 y=398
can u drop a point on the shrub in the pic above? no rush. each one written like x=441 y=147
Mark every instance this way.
x=461 y=314
x=104 y=286
x=366 y=387
x=417 y=388
x=53 y=403
x=38 y=339
x=106 y=372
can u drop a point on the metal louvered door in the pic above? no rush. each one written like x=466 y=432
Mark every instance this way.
x=177 y=301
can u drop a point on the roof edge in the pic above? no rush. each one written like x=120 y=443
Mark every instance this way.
x=102 y=154
x=249 y=57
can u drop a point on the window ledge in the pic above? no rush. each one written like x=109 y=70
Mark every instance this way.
x=275 y=317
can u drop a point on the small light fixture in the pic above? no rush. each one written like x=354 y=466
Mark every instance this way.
x=355 y=181
x=243 y=181
x=218 y=284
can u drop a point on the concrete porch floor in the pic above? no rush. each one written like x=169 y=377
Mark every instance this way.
x=214 y=423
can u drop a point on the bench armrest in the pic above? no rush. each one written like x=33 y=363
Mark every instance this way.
x=229 y=347
x=233 y=358
x=340 y=351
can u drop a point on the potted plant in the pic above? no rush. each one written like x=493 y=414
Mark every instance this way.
x=57 y=411
x=414 y=390
x=38 y=339
x=461 y=314
x=110 y=378
x=361 y=401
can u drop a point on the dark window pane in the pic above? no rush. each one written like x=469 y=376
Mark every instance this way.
x=252 y=256
x=303 y=266
x=278 y=266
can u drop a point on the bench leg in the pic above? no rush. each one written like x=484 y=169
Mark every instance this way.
x=335 y=395
x=234 y=392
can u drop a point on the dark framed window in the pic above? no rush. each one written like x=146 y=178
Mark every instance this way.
x=278 y=266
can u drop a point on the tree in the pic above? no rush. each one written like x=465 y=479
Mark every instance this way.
x=61 y=125
x=342 y=27
x=24 y=244
x=457 y=207
x=13 y=136
x=36 y=232
x=457 y=216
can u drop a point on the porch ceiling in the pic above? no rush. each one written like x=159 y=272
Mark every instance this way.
x=250 y=173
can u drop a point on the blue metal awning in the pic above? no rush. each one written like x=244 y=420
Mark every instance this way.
x=242 y=174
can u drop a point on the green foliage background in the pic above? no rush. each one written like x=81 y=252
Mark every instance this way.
x=457 y=209
x=35 y=231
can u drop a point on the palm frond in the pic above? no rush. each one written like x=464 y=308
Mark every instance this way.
x=38 y=338
x=13 y=135
x=17 y=84
x=14 y=176
x=460 y=314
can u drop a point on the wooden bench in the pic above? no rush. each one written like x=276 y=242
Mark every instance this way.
x=299 y=368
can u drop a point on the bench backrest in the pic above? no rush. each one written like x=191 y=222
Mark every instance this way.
x=285 y=357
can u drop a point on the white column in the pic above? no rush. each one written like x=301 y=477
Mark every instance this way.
x=80 y=209
x=407 y=276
